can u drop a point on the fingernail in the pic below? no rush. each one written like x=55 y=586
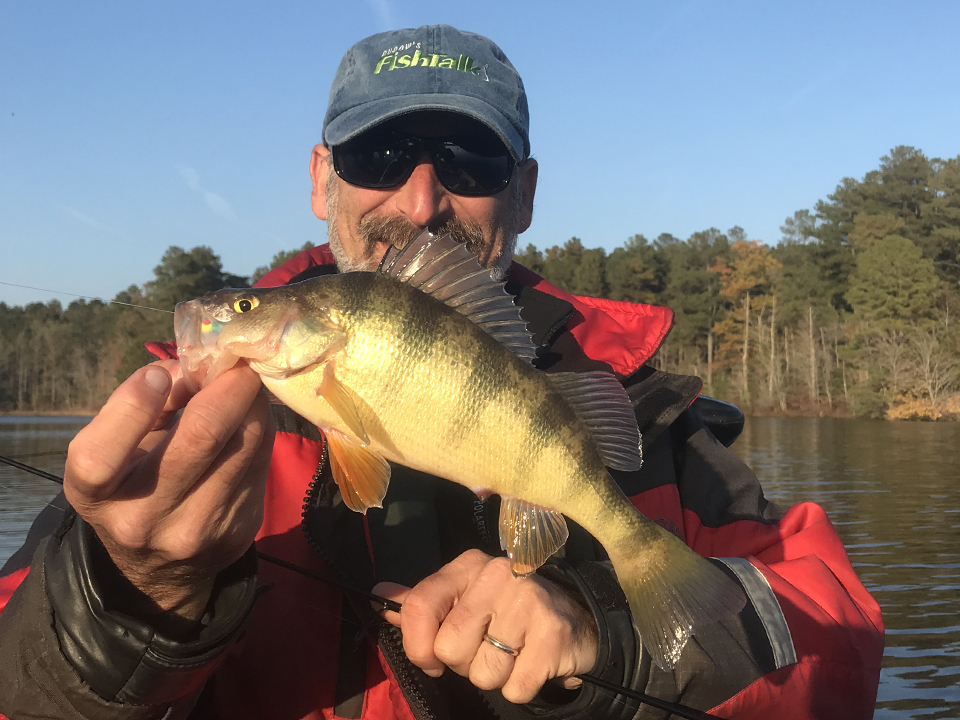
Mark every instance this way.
x=157 y=379
x=434 y=672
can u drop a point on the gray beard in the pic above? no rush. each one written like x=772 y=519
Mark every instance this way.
x=399 y=232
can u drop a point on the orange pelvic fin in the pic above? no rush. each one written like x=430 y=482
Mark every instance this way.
x=361 y=474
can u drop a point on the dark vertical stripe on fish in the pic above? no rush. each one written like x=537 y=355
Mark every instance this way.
x=489 y=376
x=554 y=418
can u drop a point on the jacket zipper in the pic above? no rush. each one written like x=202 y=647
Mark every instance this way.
x=389 y=638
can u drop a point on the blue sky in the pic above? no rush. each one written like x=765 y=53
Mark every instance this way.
x=129 y=127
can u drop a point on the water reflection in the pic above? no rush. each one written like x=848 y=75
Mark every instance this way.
x=892 y=491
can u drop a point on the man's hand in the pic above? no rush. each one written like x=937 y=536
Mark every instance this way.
x=445 y=617
x=174 y=501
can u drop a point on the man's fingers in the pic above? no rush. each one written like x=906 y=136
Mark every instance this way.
x=462 y=632
x=560 y=642
x=492 y=665
x=528 y=676
x=180 y=394
x=98 y=455
x=228 y=497
x=390 y=591
x=428 y=604
x=260 y=464
x=209 y=421
x=447 y=618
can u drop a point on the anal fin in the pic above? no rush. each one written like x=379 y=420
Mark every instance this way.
x=361 y=474
x=530 y=534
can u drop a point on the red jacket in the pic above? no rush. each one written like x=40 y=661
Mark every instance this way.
x=286 y=665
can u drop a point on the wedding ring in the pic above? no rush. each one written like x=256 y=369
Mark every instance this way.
x=501 y=646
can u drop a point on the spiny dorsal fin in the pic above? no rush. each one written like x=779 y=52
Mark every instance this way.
x=447 y=271
x=602 y=403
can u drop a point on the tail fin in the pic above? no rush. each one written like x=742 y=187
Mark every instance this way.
x=668 y=603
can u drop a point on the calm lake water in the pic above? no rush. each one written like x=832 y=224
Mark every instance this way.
x=893 y=492
x=42 y=443
x=891 y=489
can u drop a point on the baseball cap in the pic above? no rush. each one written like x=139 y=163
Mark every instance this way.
x=433 y=67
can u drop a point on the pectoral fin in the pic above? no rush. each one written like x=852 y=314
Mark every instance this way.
x=341 y=400
x=529 y=533
x=361 y=474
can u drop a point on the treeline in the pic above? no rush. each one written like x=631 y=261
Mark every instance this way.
x=69 y=360
x=853 y=311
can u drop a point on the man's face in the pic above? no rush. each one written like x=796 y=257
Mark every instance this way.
x=362 y=223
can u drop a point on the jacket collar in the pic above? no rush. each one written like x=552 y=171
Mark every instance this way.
x=624 y=335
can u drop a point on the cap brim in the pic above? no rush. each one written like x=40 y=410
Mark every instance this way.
x=358 y=119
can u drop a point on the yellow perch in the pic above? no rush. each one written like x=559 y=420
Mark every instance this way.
x=426 y=363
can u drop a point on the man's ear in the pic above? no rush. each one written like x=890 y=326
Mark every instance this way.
x=319 y=167
x=528 y=171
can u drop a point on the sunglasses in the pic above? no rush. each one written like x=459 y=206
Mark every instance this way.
x=474 y=165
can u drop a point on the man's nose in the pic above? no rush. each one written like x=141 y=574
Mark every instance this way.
x=422 y=198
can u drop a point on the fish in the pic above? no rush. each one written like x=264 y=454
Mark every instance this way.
x=427 y=363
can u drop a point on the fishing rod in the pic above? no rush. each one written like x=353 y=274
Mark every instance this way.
x=30 y=469
x=678 y=709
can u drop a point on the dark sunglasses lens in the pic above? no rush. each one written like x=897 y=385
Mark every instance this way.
x=470 y=167
x=380 y=161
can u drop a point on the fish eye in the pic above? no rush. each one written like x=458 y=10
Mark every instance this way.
x=245 y=304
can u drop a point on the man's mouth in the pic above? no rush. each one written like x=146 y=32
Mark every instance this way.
x=379 y=233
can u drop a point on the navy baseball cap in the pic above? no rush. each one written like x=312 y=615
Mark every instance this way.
x=433 y=67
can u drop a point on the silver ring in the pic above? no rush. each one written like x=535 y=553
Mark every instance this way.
x=501 y=646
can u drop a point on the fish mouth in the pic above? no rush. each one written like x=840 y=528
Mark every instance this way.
x=202 y=359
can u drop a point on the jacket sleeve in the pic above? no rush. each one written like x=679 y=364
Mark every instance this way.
x=818 y=633
x=808 y=643
x=66 y=653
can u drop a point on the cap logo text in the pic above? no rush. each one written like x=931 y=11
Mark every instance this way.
x=463 y=63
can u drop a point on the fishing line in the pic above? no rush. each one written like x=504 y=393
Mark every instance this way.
x=676 y=708
x=86 y=297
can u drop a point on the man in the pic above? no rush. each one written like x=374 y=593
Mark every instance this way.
x=148 y=602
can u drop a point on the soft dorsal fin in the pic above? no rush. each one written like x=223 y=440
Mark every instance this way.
x=444 y=269
x=602 y=403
